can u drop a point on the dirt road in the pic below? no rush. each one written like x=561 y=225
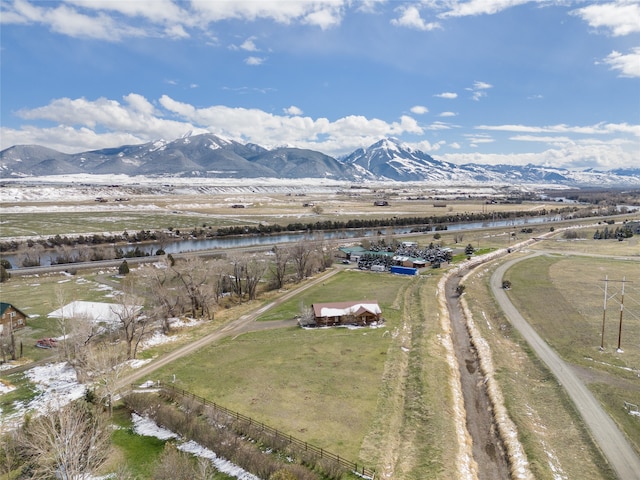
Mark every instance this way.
x=606 y=434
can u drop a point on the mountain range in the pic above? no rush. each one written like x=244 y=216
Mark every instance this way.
x=210 y=156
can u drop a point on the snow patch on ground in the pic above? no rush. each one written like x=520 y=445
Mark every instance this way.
x=147 y=427
x=55 y=384
x=5 y=388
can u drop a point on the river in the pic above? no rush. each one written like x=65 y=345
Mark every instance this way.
x=181 y=246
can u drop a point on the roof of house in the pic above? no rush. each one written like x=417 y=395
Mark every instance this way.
x=4 y=306
x=338 y=309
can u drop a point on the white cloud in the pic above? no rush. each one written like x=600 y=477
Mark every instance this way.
x=327 y=17
x=448 y=114
x=602 y=156
x=254 y=61
x=114 y=20
x=481 y=7
x=478 y=90
x=248 y=45
x=293 y=110
x=476 y=139
x=410 y=18
x=597 y=129
x=447 y=95
x=621 y=17
x=91 y=124
x=419 y=109
x=66 y=20
x=439 y=126
x=628 y=65
x=322 y=13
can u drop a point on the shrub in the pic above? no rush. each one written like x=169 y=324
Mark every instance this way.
x=4 y=274
x=124 y=268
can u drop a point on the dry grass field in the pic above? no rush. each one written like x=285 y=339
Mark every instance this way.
x=561 y=294
x=72 y=213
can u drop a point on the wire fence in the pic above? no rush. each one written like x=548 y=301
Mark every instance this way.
x=279 y=438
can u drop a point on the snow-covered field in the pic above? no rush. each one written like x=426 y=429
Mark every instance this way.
x=99 y=312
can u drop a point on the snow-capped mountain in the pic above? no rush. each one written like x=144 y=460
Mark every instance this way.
x=211 y=156
x=390 y=159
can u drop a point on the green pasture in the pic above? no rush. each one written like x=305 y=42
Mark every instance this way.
x=320 y=385
x=351 y=284
x=563 y=298
x=317 y=385
x=355 y=392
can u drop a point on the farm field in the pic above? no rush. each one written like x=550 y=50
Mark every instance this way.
x=73 y=210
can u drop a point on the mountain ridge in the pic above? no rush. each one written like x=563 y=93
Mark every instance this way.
x=210 y=156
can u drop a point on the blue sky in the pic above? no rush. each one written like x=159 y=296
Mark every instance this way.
x=548 y=82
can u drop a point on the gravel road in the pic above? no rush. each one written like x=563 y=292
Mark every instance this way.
x=606 y=434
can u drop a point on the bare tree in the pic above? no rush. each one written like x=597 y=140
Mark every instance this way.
x=301 y=254
x=66 y=443
x=322 y=253
x=31 y=255
x=192 y=275
x=281 y=257
x=8 y=343
x=104 y=365
x=219 y=278
x=62 y=322
x=156 y=282
x=253 y=273
x=132 y=321
x=238 y=264
x=10 y=459
x=81 y=330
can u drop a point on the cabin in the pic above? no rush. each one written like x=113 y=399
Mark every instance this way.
x=363 y=313
x=11 y=318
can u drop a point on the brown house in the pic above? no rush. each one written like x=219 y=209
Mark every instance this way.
x=346 y=313
x=11 y=318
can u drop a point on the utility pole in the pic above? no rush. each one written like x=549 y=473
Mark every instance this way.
x=604 y=310
x=621 y=310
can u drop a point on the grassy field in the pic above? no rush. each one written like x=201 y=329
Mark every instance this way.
x=546 y=420
x=360 y=392
x=37 y=296
x=561 y=294
x=573 y=287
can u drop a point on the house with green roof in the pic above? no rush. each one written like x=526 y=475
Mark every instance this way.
x=11 y=318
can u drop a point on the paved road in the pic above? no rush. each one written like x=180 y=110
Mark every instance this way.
x=244 y=324
x=607 y=435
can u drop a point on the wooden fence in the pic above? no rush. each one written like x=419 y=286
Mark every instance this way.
x=278 y=436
